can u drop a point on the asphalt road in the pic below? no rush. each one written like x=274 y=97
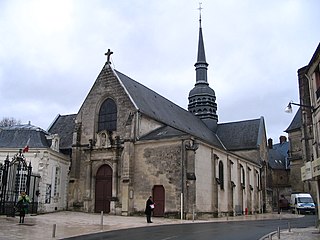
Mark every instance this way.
x=242 y=230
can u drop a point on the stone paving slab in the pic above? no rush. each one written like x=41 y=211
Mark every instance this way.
x=68 y=224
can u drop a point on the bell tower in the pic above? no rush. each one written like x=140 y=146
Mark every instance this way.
x=202 y=98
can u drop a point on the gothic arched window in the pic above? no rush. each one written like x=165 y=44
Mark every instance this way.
x=242 y=176
x=221 y=174
x=108 y=116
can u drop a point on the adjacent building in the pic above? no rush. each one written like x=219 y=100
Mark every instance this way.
x=49 y=167
x=279 y=173
x=304 y=131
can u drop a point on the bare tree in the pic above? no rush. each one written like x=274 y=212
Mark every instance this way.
x=9 y=121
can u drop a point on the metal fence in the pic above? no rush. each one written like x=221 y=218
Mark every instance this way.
x=16 y=177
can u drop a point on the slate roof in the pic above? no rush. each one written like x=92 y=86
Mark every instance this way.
x=276 y=159
x=18 y=136
x=278 y=156
x=177 y=121
x=240 y=135
x=64 y=126
x=296 y=122
x=157 y=107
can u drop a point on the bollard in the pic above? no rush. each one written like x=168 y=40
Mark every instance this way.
x=289 y=227
x=54 y=230
x=101 y=222
x=278 y=232
x=193 y=212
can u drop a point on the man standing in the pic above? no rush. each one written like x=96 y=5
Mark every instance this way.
x=149 y=209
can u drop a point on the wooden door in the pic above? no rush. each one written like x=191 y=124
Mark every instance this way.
x=103 y=189
x=159 y=200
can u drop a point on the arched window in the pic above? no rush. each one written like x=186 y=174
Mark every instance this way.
x=221 y=174
x=243 y=176
x=108 y=116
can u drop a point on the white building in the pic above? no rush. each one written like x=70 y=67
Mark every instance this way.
x=50 y=167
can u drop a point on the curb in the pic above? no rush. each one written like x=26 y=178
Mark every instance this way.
x=267 y=235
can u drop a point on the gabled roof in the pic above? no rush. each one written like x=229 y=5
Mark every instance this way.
x=161 y=109
x=278 y=156
x=64 y=126
x=296 y=122
x=19 y=136
x=176 y=121
x=241 y=135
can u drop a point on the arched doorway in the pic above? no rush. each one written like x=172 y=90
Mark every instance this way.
x=103 y=189
x=159 y=200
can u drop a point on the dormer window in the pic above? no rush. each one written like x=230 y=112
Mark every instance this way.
x=55 y=141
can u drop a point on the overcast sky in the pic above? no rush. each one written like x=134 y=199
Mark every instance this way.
x=51 y=52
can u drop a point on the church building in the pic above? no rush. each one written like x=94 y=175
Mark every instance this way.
x=130 y=143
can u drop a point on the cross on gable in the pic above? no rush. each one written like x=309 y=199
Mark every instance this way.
x=108 y=54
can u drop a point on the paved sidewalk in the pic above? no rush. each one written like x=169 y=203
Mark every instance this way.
x=310 y=233
x=68 y=224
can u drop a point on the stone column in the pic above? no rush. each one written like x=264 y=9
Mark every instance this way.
x=88 y=180
x=125 y=178
x=191 y=148
x=214 y=159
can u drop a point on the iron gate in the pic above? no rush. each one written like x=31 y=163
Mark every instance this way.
x=16 y=177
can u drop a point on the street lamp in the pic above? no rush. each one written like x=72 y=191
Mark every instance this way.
x=289 y=107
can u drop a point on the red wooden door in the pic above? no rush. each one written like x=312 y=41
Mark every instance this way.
x=103 y=189
x=159 y=200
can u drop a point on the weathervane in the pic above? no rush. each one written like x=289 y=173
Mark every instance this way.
x=108 y=54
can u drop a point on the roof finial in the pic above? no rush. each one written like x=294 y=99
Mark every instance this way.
x=108 y=54
x=200 y=8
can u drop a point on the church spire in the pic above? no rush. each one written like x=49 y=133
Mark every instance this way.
x=201 y=53
x=202 y=98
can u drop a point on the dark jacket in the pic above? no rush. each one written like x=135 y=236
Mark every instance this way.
x=148 y=207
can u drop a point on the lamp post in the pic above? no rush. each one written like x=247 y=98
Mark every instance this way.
x=289 y=107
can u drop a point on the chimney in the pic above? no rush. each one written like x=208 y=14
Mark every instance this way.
x=270 y=143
